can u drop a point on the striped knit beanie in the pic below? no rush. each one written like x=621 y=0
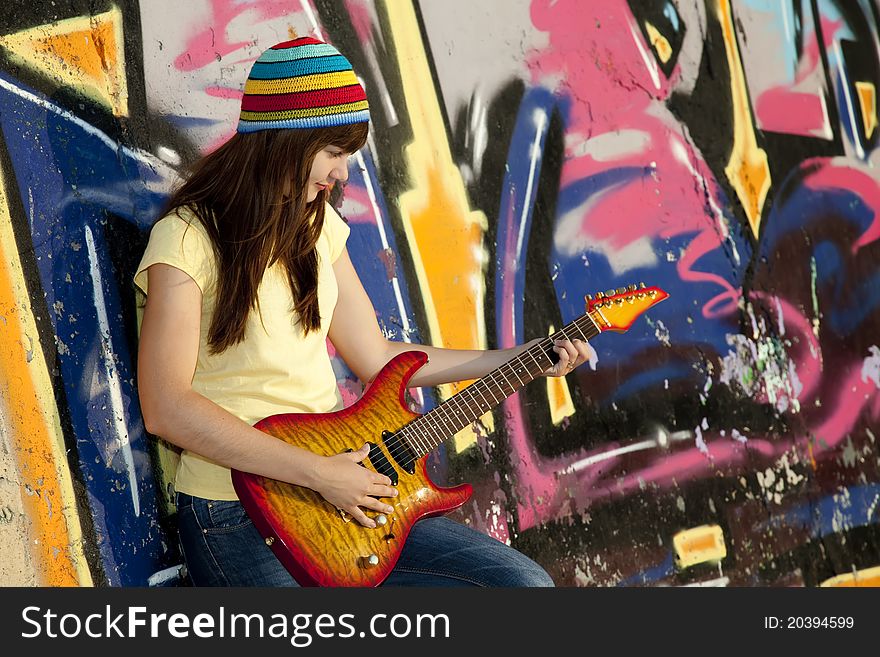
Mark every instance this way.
x=304 y=83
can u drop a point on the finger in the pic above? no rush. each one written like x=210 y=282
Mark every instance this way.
x=376 y=505
x=584 y=350
x=381 y=480
x=563 y=365
x=361 y=454
x=559 y=348
x=384 y=491
x=362 y=517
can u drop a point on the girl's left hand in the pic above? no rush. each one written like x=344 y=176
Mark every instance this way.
x=571 y=354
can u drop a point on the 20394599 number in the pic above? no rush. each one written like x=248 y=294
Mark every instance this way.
x=809 y=622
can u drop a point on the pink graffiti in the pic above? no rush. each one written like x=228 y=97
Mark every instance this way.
x=783 y=109
x=224 y=92
x=840 y=174
x=605 y=53
x=779 y=109
x=598 y=47
x=722 y=453
x=359 y=206
x=359 y=14
x=212 y=42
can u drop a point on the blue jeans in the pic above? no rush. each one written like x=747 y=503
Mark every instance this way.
x=222 y=547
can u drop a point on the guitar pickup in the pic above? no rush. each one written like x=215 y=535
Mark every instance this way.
x=381 y=464
x=399 y=451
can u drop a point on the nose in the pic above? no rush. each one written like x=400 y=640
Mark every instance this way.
x=340 y=172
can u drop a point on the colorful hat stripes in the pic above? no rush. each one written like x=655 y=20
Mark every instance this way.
x=304 y=83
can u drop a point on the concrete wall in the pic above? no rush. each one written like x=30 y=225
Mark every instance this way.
x=523 y=154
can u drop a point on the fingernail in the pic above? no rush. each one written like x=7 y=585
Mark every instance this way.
x=389 y=509
x=372 y=524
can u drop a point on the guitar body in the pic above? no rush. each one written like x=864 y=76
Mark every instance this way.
x=322 y=547
x=309 y=535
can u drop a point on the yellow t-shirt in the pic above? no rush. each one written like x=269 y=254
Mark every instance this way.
x=275 y=369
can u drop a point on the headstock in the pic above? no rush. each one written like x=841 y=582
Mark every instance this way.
x=616 y=310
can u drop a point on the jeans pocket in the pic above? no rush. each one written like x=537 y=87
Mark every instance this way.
x=225 y=516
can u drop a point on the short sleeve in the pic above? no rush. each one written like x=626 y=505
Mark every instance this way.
x=337 y=231
x=179 y=240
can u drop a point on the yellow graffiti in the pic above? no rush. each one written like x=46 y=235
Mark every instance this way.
x=868 y=101
x=869 y=577
x=33 y=427
x=558 y=395
x=660 y=43
x=444 y=235
x=84 y=54
x=699 y=545
x=747 y=170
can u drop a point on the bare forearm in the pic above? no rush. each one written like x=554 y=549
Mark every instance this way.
x=193 y=422
x=450 y=365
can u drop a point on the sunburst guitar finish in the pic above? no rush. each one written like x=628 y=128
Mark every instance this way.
x=315 y=542
x=321 y=546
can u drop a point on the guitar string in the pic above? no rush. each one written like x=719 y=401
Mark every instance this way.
x=415 y=433
x=473 y=406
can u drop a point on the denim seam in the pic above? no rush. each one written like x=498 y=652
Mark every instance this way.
x=429 y=571
x=226 y=530
x=208 y=549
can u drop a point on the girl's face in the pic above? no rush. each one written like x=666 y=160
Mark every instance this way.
x=329 y=166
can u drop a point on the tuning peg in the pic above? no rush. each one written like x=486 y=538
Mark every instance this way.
x=633 y=287
x=588 y=297
x=599 y=295
x=609 y=293
x=642 y=285
x=621 y=290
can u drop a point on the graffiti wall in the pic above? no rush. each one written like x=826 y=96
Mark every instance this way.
x=523 y=154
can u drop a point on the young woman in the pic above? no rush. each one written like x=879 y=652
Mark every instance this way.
x=245 y=278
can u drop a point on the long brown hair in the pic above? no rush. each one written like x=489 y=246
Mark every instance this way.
x=250 y=195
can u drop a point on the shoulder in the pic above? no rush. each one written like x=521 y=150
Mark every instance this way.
x=180 y=219
x=179 y=239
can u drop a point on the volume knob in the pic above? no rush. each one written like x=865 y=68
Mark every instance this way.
x=370 y=561
x=381 y=519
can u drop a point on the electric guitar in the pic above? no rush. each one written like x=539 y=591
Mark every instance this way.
x=322 y=546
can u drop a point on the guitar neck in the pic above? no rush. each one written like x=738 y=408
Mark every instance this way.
x=428 y=431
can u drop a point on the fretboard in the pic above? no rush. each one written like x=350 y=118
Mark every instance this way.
x=428 y=431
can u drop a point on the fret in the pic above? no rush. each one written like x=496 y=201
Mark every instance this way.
x=426 y=420
x=512 y=389
x=489 y=390
x=579 y=330
x=480 y=410
x=522 y=365
x=541 y=368
x=407 y=432
x=461 y=416
x=429 y=430
x=593 y=322
x=405 y=437
x=422 y=440
x=512 y=369
x=441 y=414
x=488 y=405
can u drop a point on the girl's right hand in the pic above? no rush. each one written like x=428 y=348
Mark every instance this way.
x=349 y=486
